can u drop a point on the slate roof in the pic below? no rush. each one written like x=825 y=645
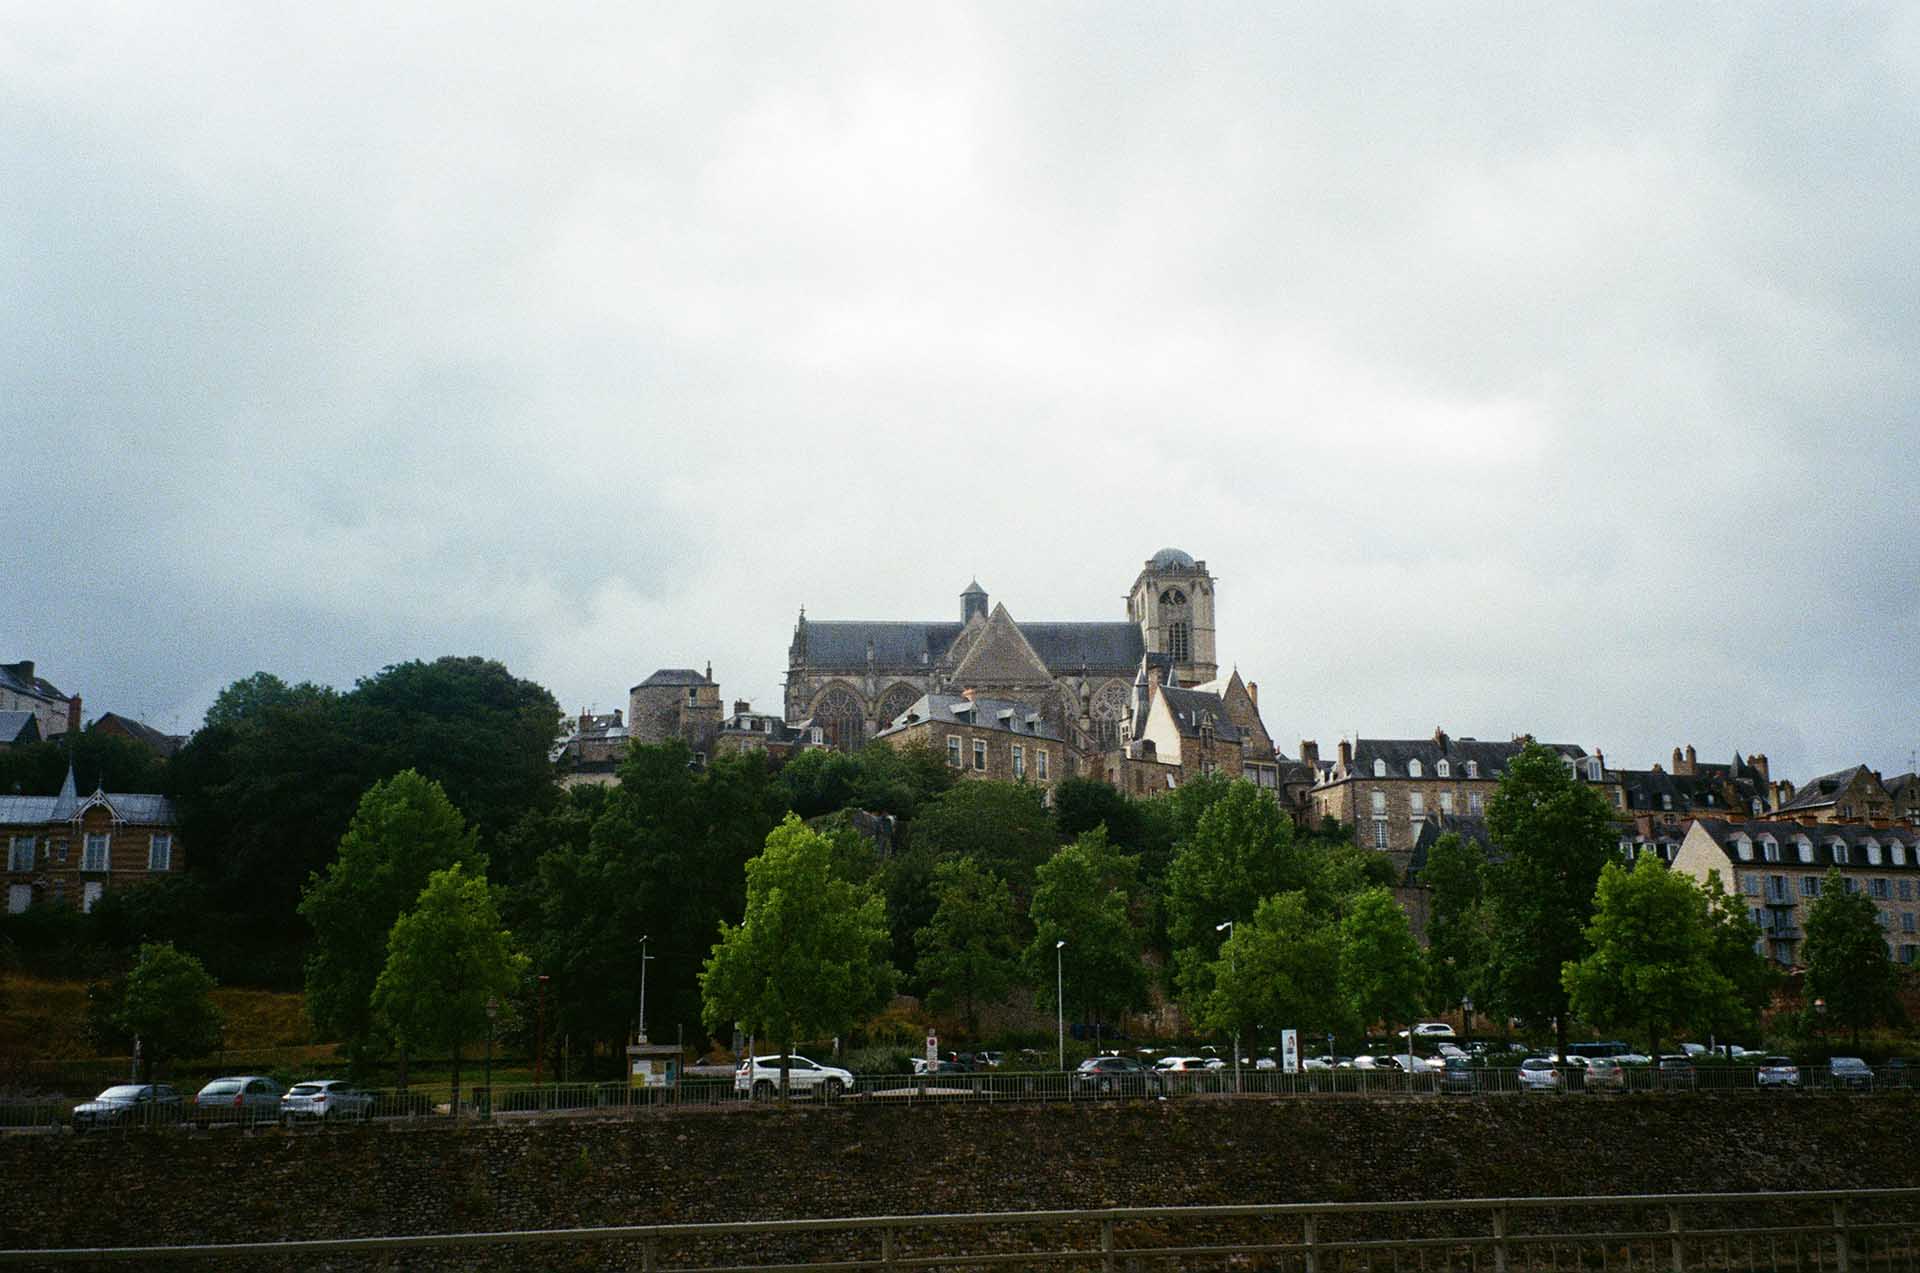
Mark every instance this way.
x=1823 y=790
x=1822 y=836
x=1469 y=827
x=1170 y=559
x=141 y=732
x=1192 y=708
x=13 y=676
x=1492 y=757
x=1645 y=787
x=987 y=713
x=674 y=676
x=15 y=727
x=141 y=808
x=1063 y=647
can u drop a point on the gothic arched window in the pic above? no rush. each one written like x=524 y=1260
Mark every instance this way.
x=1173 y=597
x=839 y=715
x=896 y=701
x=1180 y=642
x=1109 y=705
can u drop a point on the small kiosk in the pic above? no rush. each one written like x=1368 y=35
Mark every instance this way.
x=653 y=1066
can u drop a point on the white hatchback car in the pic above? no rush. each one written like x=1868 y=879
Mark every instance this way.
x=1540 y=1074
x=759 y=1077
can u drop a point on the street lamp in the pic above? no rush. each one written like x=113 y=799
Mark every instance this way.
x=1820 y=1014
x=540 y=1032
x=644 y=957
x=1059 y=1003
x=1226 y=926
x=1466 y=1021
x=493 y=1013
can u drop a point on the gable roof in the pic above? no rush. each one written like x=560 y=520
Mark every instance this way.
x=1823 y=790
x=1192 y=709
x=1822 y=837
x=138 y=808
x=1491 y=757
x=140 y=732
x=674 y=676
x=1063 y=647
x=19 y=727
x=986 y=713
x=999 y=653
x=20 y=678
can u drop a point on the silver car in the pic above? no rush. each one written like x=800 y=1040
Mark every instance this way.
x=325 y=1101
x=246 y=1099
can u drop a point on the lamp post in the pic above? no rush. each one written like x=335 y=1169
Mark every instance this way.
x=1466 y=1022
x=540 y=1033
x=1820 y=1015
x=644 y=957
x=1059 y=1003
x=1226 y=926
x=493 y=1013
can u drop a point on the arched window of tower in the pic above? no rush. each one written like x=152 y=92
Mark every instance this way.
x=1180 y=642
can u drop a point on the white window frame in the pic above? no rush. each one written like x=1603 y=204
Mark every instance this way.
x=1839 y=850
x=1473 y=769
x=1443 y=769
x=1019 y=762
x=1873 y=852
x=1040 y=763
x=1379 y=768
x=1417 y=805
x=1803 y=848
x=954 y=757
x=1769 y=848
x=104 y=860
x=1743 y=848
x=21 y=853
x=1377 y=803
x=1446 y=802
x=980 y=755
x=1379 y=833
x=1475 y=805
x=91 y=892
x=160 y=851
x=1414 y=769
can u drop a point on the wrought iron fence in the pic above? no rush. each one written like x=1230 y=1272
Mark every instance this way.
x=1852 y=1231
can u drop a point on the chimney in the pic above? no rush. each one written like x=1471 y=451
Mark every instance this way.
x=967 y=693
x=1346 y=756
x=1656 y=764
x=1760 y=763
x=1690 y=758
x=616 y=718
x=586 y=720
x=1600 y=756
x=1678 y=760
x=1310 y=753
x=73 y=714
x=25 y=668
x=1253 y=692
x=740 y=707
x=1153 y=675
x=1440 y=738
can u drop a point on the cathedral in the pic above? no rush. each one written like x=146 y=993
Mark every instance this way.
x=1118 y=696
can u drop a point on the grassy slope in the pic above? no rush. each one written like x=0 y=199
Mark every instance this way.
x=43 y=1020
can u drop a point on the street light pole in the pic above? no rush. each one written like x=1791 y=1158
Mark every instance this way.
x=1233 y=962
x=540 y=1033
x=1059 y=1003
x=644 y=957
x=493 y=1011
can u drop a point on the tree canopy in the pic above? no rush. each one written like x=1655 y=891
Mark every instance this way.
x=1280 y=970
x=168 y=1006
x=967 y=951
x=445 y=958
x=1848 y=967
x=808 y=958
x=1085 y=895
x=1239 y=853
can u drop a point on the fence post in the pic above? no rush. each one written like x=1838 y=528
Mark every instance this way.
x=1310 y=1234
x=886 y=1248
x=1842 y=1239
x=1675 y=1246
x=1106 y=1246
x=649 y=1256
x=1499 y=1240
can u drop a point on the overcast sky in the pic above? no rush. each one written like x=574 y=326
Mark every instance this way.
x=1515 y=368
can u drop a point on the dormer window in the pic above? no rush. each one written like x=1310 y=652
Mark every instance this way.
x=1804 y=848
x=1873 y=853
x=1839 y=848
x=1413 y=769
x=1770 y=848
x=1593 y=771
x=1743 y=849
x=1443 y=769
x=1666 y=801
x=1473 y=769
x=1898 y=852
x=1379 y=768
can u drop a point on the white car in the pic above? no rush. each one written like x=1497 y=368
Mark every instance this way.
x=759 y=1077
x=1429 y=1030
x=1540 y=1074
x=1452 y=1049
x=1176 y=1064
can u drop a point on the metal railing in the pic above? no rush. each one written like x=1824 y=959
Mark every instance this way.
x=427 y=1102
x=1853 y=1231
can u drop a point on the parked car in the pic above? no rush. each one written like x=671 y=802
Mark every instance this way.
x=1179 y=1064
x=923 y=1066
x=246 y=1099
x=1634 y=1058
x=1850 y=1072
x=1777 y=1071
x=1266 y=1063
x=1451 y=1050
x=129 y=1105
x=325 y=1100
x=1605 y=1074
x=759 y=1077
x=1676 y=1071
x=990 y=1060
x=1540 y=1074
x=1117 y=1076
x=1459 y=1075
x=1429 y=1030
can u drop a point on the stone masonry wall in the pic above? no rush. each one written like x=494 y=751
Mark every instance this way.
x=737 y=1163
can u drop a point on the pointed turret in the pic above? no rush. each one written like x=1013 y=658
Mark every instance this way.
x=68 y=800
x=973 y=602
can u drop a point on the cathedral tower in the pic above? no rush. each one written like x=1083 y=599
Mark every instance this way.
x=1172 y=602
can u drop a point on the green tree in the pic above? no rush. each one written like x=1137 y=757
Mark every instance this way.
x=1086 y=896
x=808 y=958
x=404 y=831
x=1279 y=970
x=820 y=780
x=445 y=958
x=1382 y=973
x=1553 y=834
x=1733 y=946
x=967 y=952
x=1239 y=852
x=106 y=761
x=1650 y=957
x=168 y=1006
x=1458 y=939
x=899 y=779
x=1847 y=962
x=1004 y=827
x=248 y=698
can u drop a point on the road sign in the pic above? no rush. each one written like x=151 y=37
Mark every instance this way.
x=933 y=1047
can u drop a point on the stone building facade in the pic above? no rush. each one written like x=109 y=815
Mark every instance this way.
x=21 y=690
x=66 y=850
x=999 y=739
x=676 y=702
x=853 y=679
